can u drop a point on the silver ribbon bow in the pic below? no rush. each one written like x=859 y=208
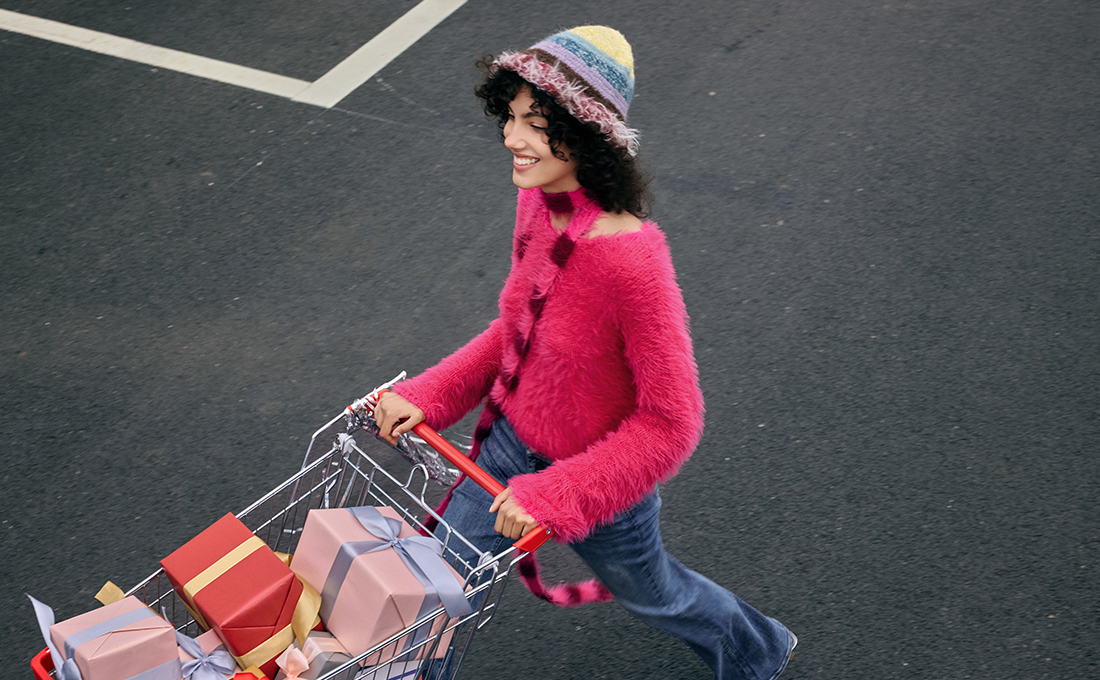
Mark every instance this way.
x=422 y=555
x=66 y=668
x=217 y=665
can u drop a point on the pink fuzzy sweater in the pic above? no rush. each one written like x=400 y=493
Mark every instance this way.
x=591 y=362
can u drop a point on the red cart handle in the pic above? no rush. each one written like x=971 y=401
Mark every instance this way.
x=534 y=538
x=42 y=664
x=530 y=541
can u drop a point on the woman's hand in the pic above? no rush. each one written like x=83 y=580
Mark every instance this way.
x=395 y=416
x=512 y=520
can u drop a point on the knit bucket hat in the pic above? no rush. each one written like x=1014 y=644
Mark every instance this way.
x=589 y=70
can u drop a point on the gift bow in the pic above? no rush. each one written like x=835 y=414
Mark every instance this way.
x=217 y=665
x=422 y=555
x=296 y=661
x=66 y=668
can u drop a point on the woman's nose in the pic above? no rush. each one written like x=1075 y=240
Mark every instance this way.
x=511 y=137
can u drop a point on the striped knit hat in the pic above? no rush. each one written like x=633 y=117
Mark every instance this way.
x=589 y=70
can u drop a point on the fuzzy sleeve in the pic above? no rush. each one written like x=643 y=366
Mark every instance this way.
x=579 y=493
x=454 y=387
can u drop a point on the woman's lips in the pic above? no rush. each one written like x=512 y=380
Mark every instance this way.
x=521 y=163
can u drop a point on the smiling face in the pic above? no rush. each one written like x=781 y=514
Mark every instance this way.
x=533 y=161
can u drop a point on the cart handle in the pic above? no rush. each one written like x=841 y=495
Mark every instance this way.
x=42 y=664
x=530 y=541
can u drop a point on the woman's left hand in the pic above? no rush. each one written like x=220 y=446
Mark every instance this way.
x=512 y=520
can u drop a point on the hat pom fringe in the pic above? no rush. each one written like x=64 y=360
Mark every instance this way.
x=572 y=96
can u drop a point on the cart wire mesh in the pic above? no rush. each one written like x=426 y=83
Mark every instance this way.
x=345 y=475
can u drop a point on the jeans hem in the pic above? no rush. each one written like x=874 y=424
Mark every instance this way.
x=791 y=642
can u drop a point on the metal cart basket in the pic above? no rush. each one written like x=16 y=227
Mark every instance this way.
x=339 y=472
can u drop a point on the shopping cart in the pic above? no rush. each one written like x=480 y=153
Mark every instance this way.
x=338 y=472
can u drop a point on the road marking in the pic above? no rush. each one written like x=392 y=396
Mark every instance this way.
x=161 y=57
x=371 y=58
x=325 y=92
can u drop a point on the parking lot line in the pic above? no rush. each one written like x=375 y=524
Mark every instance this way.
x=326 y=91
x=161 y=57
x=371 y=58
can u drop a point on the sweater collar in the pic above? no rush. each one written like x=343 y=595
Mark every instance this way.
x=567 y=201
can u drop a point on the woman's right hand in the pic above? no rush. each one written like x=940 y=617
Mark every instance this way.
x=396 y=415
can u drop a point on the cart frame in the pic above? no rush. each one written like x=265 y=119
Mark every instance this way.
x=346 y=476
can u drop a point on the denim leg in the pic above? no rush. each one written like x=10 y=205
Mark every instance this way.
x=735 y=640
x=503 y=456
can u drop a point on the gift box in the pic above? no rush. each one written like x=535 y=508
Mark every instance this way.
x=234 y=584
x=122 y=640
x=323 y=654
x=377 y=576
x=320 y=654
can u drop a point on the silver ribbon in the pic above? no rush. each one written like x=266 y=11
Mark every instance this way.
x=65 y=665
x=217 y=665
x=323 y=663
x=169 y=670
x=66 y=668
x=422 y=555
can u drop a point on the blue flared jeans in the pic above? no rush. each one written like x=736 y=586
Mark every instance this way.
x=627 y=555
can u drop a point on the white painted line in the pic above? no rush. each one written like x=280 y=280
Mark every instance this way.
x=371 y=58
x=327 y=91
x=161 y=57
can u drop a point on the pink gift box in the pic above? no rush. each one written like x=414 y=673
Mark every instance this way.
x=379 y=596
x=326 y=654
x=395 y=670
x=146 y=644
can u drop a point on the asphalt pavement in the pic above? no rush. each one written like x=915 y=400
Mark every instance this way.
x=884 y=216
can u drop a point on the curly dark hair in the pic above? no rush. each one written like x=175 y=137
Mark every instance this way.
x=613 y=176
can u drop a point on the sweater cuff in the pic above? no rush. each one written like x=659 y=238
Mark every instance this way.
x=552 y=510
x=422 y=400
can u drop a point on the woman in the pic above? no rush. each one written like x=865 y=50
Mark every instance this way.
x=588 y=375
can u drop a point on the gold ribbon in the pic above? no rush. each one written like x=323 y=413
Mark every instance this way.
x=268 y=649
x=227 y=561
x=303 y=620
x=306 y=616
x=109 y=594
x=207 y=576
x=306 y=612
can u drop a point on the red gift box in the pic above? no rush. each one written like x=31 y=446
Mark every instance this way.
x=234 y=584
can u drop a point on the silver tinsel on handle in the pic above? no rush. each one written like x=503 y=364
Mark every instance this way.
x=360 y=415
